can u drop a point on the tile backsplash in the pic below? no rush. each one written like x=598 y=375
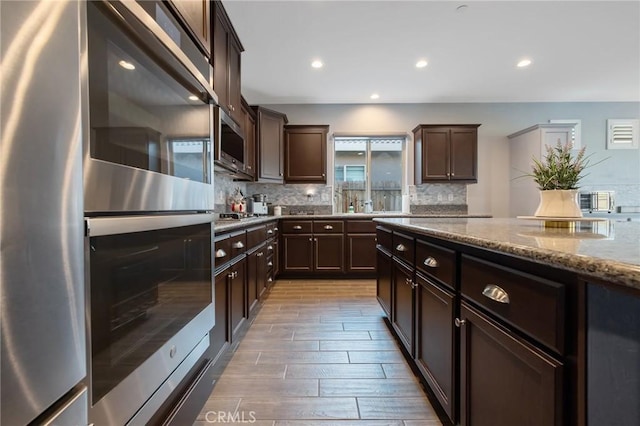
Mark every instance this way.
x=299 y=198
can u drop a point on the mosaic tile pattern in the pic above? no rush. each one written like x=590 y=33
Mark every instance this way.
x=455 y=209
x=438 y=194
x=627 y=195
x=293 y=194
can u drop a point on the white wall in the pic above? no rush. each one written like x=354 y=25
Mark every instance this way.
x=490 y=194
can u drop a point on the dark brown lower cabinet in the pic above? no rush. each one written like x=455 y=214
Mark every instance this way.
x=435 y=344
x=329 y=253
x=505 y=381
x=383 y=285
x=256 y=276
x=297 y=253
x=219 y=335
x=403 y=304
x=236 y=281
x=361 y=253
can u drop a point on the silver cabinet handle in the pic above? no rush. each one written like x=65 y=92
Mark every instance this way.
x=431 y=262
x=237 y=245
x=496 y=293
x=269 y=247
x=328 y=227
x=297 y=227
x=259 y=254
x=269 y=231
x=275 y=229
x=220 y=253
x=459 y=323
x=401 y=247
x=269 y=263
x=269 y=279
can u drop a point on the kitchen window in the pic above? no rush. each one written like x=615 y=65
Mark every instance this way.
x=368 y=173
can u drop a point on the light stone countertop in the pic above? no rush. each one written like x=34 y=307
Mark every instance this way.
x=230 y=225
x=608 y=250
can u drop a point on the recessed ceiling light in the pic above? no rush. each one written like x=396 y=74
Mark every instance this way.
x=317 y=64
x=375 y=96
x=421 y=63
x=126 y=65
x=524 y=63
x=194 y=97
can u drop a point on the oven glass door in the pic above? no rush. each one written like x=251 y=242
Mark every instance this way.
x=147 y=111
x=145 y=287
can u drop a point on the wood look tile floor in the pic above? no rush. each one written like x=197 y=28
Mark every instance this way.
x=318 y=354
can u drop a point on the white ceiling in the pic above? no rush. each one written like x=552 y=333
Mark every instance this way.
x=581 y=51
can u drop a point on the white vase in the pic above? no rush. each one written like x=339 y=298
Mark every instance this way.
x=559 y=203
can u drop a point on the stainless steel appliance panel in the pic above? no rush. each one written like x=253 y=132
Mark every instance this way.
x=149 y=142
x=41 y=262
x=73 y=412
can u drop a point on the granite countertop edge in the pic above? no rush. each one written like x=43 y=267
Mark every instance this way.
x=237 y=224
x=610 y=271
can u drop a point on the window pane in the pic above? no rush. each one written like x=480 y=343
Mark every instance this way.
x=386 y=174
x=350 y=184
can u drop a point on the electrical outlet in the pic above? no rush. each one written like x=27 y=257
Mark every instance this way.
x=439 y=197
x=450 y=197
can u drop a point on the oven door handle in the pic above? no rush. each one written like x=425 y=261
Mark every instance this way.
x=113 y=225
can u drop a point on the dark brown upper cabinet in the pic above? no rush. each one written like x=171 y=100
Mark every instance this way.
x=270 y=144
x=226 y=63
x=196 y=15
x=249 y=127
x=305 y=153
x=446 y=153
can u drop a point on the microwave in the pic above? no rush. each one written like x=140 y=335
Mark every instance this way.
x=229 y=150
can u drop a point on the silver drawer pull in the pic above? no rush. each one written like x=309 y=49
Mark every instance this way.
x=459 y=323
x=237 y=245
x=269 y=247
x=269 y=231
x=328 y=227
x=401 y=247
x=275 y=229
x=297 y=227
x=431 y=262
x=259 y=254
x=270 y=264
x=220 y=253
x=494 y=292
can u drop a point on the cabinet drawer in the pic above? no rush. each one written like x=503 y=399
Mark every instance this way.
x=256 y=236
x=361 y=227
x=297 y=226
x=272 y=229
x=221 y=249
x=534 y=305
x=328 y=226
x=238 y=243
x=384 y=238
x=403 y=247
x=436 y=261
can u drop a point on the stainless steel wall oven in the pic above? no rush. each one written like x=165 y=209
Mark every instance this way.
x=149 y=142
x=148 y=196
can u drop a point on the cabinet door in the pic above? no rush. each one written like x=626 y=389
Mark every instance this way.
x=195 y=14
x=234 y=80
x=503 y=380
x=249 y=141
x=220 y=60
x=305 y=154
x=219 y=335
x=436 y=154
x=383 y=283
x=464 y=151
x=435 y=341
x=297 y=252
x=237 y=296
x=361 y=252
x=403 y=304
x=329 y=253
x=270 y=146
x=253 y=278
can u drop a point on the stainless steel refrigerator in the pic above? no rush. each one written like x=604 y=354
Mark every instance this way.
x=41 y=216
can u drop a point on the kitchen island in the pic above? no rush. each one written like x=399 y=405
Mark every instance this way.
x=509 y=322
